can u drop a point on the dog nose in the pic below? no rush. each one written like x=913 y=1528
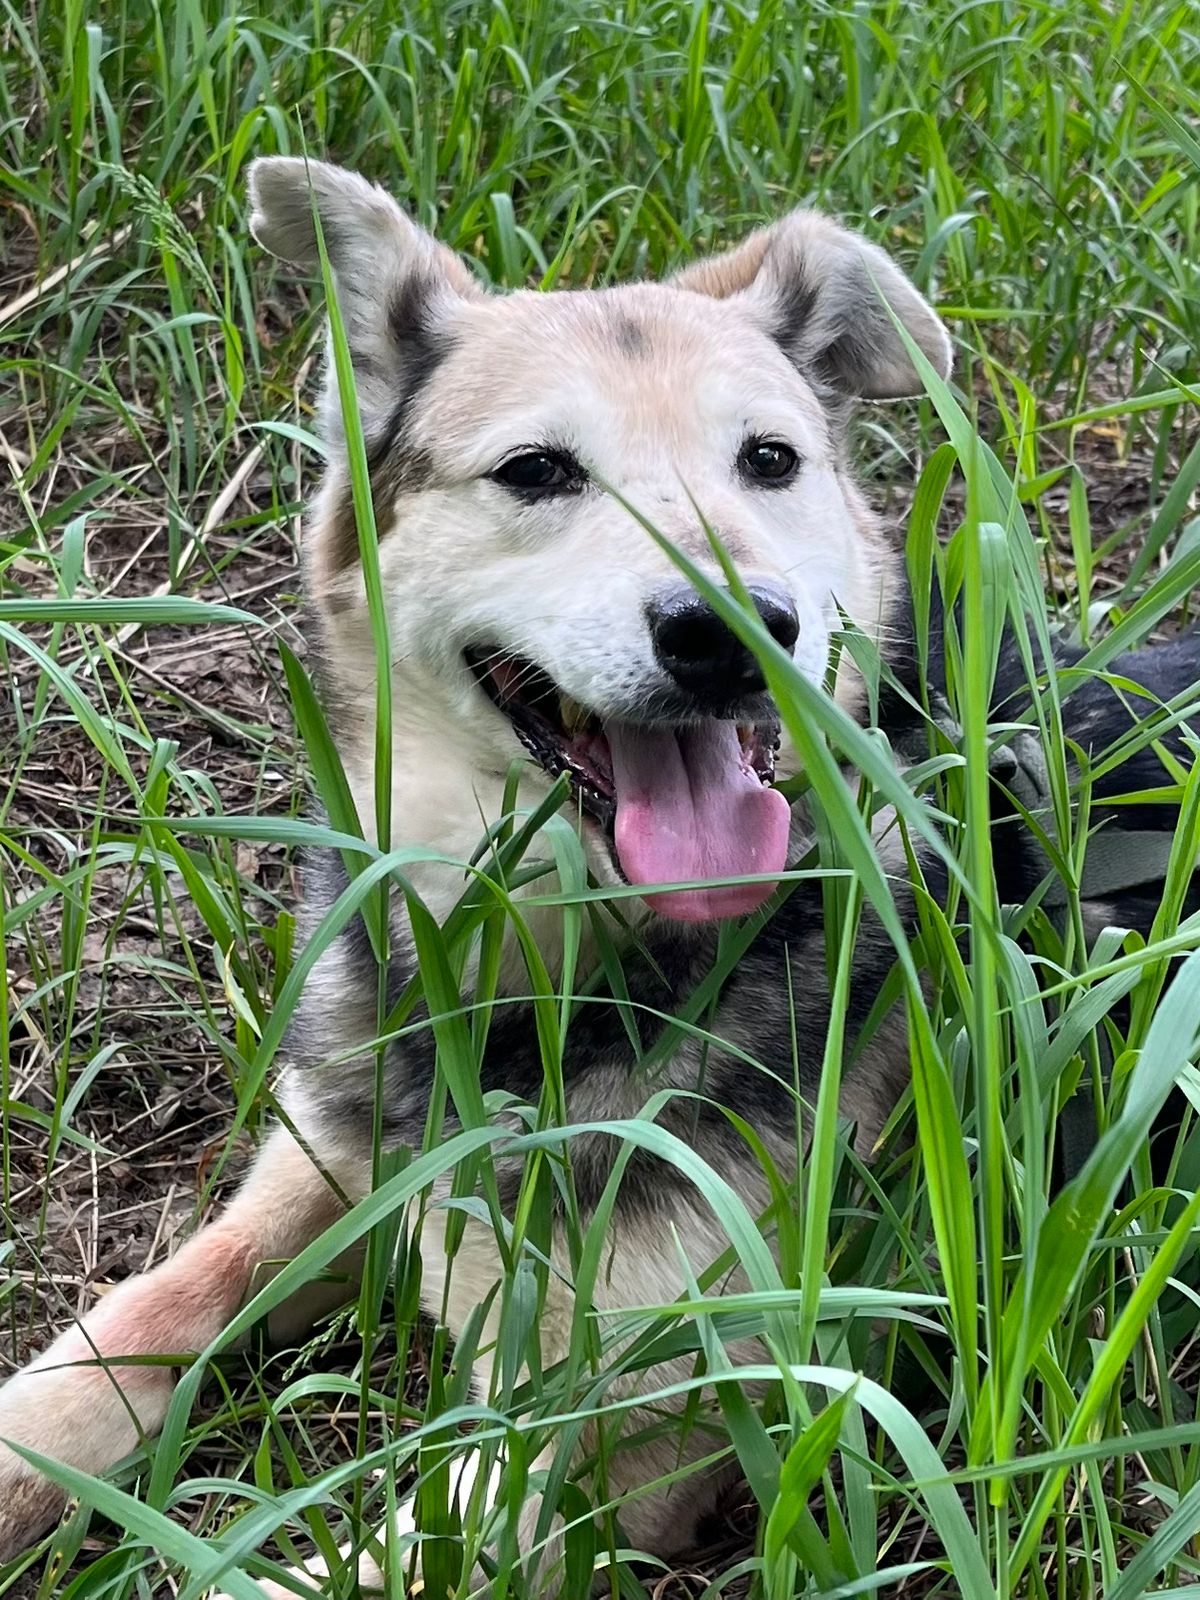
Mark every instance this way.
x=702 y=654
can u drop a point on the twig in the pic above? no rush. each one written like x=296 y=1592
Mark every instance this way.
x=215 y=514
x=33 y=294
x=213 y=518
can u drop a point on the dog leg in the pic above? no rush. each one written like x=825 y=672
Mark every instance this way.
x=404 y=1534
x=78 y=1403
x=663 y=1521
x=449 y=1288
x=370 y=1576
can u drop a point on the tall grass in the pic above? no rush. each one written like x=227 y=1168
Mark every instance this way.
x=978 y=1384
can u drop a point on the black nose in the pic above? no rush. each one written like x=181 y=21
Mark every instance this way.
x=703 y=655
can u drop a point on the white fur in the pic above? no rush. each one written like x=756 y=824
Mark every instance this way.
x=566 y=582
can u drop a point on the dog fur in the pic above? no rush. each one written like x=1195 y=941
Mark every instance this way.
x=655 y=388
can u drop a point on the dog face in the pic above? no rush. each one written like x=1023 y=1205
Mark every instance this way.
x=508 y=436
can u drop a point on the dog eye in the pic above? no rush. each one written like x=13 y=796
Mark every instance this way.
x=536 y=473
x=768 y=461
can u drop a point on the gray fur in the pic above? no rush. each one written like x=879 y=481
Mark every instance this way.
x=382 y=263
x=827 y=292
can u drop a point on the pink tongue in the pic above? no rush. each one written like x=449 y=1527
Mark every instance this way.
x=687 y=808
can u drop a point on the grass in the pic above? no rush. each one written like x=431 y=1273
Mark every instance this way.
x=1035 y=169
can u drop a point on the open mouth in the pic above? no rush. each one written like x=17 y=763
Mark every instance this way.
x=677 y=802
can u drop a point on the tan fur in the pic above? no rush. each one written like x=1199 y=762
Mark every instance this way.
x=336 y=552
x=729 y=273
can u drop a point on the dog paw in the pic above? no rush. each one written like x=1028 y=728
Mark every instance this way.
x=67 y=1405
x=280 y=1591
x=29 y=1504
x=314 y=1585
x=313 y=1581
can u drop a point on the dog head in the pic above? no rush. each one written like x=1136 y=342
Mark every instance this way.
x=507 y=435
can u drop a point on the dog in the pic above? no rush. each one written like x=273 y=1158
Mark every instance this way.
x=532 y=619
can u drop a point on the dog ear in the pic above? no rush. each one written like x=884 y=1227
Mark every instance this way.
x=394 y=281
x=820 y=287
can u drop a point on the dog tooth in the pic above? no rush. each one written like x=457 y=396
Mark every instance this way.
x=572 y=713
